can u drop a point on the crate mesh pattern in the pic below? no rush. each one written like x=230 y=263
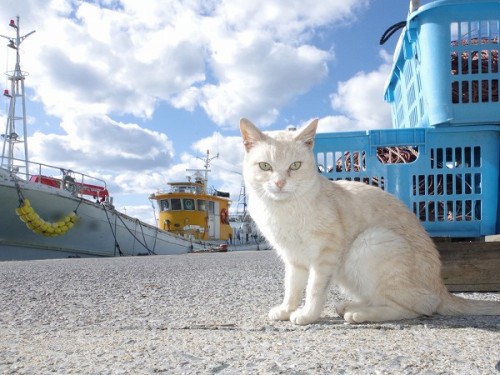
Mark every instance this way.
x=448 y=176
x=446 y=66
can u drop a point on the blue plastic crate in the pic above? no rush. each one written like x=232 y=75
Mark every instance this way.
x=445 y=67
x=447 y=176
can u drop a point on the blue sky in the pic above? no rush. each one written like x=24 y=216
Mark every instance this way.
x=134 y=91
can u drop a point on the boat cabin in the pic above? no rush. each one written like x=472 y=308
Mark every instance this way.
x=186 y=209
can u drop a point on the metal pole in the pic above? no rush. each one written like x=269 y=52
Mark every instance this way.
x=11 y=138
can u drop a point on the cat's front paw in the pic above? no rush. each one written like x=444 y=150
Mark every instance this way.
x=341 y=307
x=354 y=317
x=352 y=312
x=279 y=313
x=302 y=317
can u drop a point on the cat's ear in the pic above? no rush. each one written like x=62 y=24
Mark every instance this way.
x=251 y=135
x=308 y=133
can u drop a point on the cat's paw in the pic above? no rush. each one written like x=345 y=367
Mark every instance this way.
x=302 y=317
x=354 y=317
x=352 y=312
x=341 y=307
x=279 y=313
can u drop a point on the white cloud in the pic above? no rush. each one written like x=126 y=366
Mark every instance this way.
x=144 y=211
x=226 y=154
x=101 y=61
x=90 y=61
x=258 y=76
x=360 y=100
x=336 y=123
x=103 y=146
x=286 y=20
x=227 y=57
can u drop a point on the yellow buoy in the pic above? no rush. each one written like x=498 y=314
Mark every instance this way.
x=34 y=222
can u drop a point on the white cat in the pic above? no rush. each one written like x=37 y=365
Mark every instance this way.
x=355 y=235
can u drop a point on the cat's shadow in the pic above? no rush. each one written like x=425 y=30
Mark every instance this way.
x=489 y=323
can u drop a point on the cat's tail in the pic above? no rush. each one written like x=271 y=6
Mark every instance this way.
x=455 y=305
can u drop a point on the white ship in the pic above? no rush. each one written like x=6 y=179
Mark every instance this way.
x=52 y=212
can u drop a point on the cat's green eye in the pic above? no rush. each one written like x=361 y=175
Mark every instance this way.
x=295 y=165
x=265 y=166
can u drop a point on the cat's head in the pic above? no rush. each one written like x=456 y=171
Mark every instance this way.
x=279 y=165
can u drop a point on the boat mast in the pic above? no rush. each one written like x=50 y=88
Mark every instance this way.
x=16 y=77
x=242 y=200
x=206 y=168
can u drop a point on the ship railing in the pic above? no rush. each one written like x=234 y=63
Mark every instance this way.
x=75 y=182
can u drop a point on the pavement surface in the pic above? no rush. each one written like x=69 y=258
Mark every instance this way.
x=207 y=314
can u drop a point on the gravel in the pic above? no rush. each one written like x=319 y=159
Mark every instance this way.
x=207 y=314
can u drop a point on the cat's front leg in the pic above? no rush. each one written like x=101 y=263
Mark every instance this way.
x=317 y=287
x=295 y=283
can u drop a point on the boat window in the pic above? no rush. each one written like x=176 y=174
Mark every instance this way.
x=176 y=204
x=202 y=205
x=164 y=205
x=211 y=207
x=191 y=189
x=189 y=204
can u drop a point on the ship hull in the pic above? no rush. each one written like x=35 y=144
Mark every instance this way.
x=100 y=230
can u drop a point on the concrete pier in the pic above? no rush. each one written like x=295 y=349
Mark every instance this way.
x=207 y=314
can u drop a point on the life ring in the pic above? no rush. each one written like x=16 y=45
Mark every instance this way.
x=188 y=204
x=224 y=216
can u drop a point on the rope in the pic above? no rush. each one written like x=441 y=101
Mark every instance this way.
x=117 y=245
x=151 y=252
x=390 y=31
x=137 y=221
x=18 y=188
x=113 y=232
x=144 y=244
x=156 y=237
x=135 y=237
x=78 y=205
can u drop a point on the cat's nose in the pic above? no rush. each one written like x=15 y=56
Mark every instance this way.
x=280 y=183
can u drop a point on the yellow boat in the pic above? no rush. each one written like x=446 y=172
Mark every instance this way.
x=187 y=209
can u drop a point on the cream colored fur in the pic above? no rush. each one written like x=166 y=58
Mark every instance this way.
x=358 y=236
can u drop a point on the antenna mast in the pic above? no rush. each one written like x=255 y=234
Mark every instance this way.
x=11 y=137
x=206 y=166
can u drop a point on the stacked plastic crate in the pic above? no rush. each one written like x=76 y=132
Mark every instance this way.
x=442 y=156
